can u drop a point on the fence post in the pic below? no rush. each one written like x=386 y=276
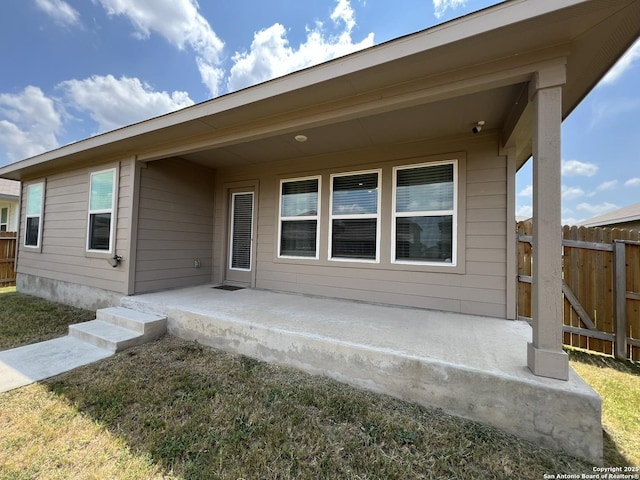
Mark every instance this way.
x=620 y=304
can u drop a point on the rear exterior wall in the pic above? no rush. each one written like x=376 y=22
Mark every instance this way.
x=476 y=286
x=174 y=226
x=61 y=264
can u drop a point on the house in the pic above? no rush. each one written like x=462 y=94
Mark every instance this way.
x=9 y=202
x=384 y=176
x=626 y=217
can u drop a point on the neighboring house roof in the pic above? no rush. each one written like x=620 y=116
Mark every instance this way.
x=630 y=213
x=9 y=189
x=433 y=84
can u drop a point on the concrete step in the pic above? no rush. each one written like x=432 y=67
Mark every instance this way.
x=106 y=335
x=117 y=328
x=148 y=324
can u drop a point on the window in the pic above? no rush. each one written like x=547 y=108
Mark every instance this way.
x=101 y=209
x=424 y=212
x=4 y=219
x=355 y=207
x=299 y=213
x=33 y=228
x=241 y=231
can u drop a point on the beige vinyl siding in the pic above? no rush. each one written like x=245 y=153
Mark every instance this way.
x=175 y=225
x=476 y=286
x=63 y=254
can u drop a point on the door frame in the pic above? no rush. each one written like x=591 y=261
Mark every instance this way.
x=249 y=186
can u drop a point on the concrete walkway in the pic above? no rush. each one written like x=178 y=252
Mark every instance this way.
x=31 y=363
x=113 y=330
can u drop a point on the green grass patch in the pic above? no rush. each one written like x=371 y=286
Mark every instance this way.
x=42 y=436
x=618 y=383
x=26 y=319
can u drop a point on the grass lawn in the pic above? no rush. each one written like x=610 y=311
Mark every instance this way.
x=174 y=409
x=26 y=319
x=618 y=383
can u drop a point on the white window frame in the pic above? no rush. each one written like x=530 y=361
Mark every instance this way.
x=5 y=224
x=429 y=213
x=333 y=216
x=40 y=215
x=111 y=210
x=315 y=217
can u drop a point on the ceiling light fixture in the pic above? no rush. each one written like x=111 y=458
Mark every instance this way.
x=301 y=138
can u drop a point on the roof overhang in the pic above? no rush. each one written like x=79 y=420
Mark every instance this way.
x=432 y=84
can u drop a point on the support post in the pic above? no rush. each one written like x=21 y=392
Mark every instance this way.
x=545 y=356
x=620 y=305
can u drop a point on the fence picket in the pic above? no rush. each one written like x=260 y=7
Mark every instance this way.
x=588 y=272
x=633 y=286
x=7 y=259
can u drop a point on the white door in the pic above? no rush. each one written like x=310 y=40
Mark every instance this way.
x=240 y=261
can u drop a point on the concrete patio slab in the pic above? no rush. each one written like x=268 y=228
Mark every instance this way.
x=24 y=365
x=469 y=366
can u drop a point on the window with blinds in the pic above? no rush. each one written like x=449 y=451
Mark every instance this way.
x=33 y=227
x=425 y=213
x=101 y=210
x=355 y=208
x=4 y=219
x=299 y=213
x=241 y=230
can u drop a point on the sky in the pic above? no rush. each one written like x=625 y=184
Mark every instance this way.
x=70 y=69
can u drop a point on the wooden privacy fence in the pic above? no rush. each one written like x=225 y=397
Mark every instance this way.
x=7 y=259
x=600 y=287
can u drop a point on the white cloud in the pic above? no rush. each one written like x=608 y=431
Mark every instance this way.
x=632 y=182
x=29 y=124
x=344 y=12
x=271 y=54
x=60 y=11
x=597 y=209
x=622 y=65
x=573 y=168
x=524 y=211
x=610 y=185
x=113 y=103
x=441 y=6
x=526 y=191
x=608 y=109
x=180 y=23
x=570 y=220
x=571 y=193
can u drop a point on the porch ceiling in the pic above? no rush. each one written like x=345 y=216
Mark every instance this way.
x=432 y=84
x=422 y=122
